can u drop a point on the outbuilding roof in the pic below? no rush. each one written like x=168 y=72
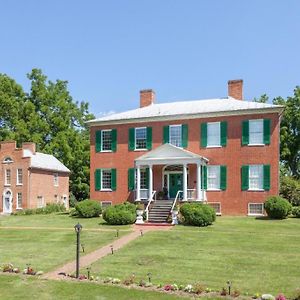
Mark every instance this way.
x=188 y=109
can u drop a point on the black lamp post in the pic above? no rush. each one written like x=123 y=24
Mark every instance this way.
x=78 y=228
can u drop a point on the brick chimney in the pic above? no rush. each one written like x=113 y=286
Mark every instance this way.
x=235 y=89
x=147 y=97
x=29 y=146
x=8 y=145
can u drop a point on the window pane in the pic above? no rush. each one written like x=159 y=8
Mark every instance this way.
x=106 y=179
x=141 y=138
x=19 y=199
x=256 y=177
x=8 y=176
x=256 y=132
x=143 y=179
x=20 y=176
x=106 y=140
x=213 y=177
x=175 y=135
x=256 y=209
x=213 y=134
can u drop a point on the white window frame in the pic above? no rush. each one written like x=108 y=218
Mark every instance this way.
x=261 y=179
x=6 y=181
x=55 y=179
x=18 y=198
x=102 y=139
x=109 y=203
x=18 y=174
x=7 y=160
x=106 y=189
x=135 y=143
x=218 y=213
x=43 y=202
x=180 y=132
x=217 y=177
x=211 y=144
x=252 y=124
x=255 y=214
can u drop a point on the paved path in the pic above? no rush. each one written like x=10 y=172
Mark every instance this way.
x=88 y=259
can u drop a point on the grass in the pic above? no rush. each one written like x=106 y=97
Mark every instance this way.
x=16 y=287
x=256 y=255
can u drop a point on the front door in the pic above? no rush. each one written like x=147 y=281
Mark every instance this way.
x=175 y=184
x=7 y=202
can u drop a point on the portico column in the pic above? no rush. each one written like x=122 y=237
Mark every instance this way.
x=198 y=181
x=202 y=183
x=150 y=182
x=184 y=182
x=138 y=183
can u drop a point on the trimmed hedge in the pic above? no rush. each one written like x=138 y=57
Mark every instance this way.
x=197 y=214
x=121 y=214
x=277 y=207
x=88 y=209
x=296 y=211
x=48 y=209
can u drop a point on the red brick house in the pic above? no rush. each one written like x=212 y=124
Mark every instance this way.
x=30 y=179
x=221 y=151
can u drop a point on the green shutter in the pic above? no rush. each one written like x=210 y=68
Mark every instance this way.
x=147 y=177
x=245 y=178
x=223 y=141
x=245 y=132
x=131 y=179
x=184 y=135
x=166 y=135
x=267 y=131
x=114 y=140
x=131 y=140
x=203 y=139
x=267 y=175
x=97 y=180
x=113 y=179
x=149 y=138
x=98 y=141
x=204 y=180
x=223 y=178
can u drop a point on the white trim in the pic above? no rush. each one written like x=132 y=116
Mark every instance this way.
x=10 y=200
x=43 y=202
x=140 y=149
x=101 y=150
x=7 y=160
x=253 y=214
x=214 y=145
x=174 y=126
x=17 y=202
x=19 y=183
x=5 y=177
x=102 y=189
x=220 y=213
x=106 y=202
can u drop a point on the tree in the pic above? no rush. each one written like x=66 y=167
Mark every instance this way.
x=262 y=99
x=48 y=116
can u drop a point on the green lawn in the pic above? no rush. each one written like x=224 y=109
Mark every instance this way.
x=256 y=255
x=16 y=287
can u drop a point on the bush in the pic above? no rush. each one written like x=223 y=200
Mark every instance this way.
x=197 y=214
x=88 y=209
x=48 y=209
x=120 y=214
x=277 y=207
x=290 y=189
x=296 y=211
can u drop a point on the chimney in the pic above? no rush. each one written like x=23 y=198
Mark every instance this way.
x=29 y=146
x=8 y=145
x=235 y=89
x=147 y=97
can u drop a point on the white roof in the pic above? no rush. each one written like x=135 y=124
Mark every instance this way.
x=45 y=161
x=169 y=154
x=208 y=107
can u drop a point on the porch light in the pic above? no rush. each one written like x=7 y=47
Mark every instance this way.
x=78 y=229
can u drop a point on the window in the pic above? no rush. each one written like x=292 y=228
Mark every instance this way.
x=256 y=177
x=216 y=206
x=40 y=201
x=106 y=140
x=255 y=209
x=55 y=176
x=144 y=179
x=7 y=177
x=19 y=200
x=141 y=138
x=105 y=204
x=256 y=132
x=7 y=160
x=19 y=176
x=213 y=177
x=175 y=135
x=106 y=180
x=213 y=134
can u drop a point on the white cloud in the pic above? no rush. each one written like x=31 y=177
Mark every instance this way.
x=105 y=113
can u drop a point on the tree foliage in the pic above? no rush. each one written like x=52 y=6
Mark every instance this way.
x=48 y=116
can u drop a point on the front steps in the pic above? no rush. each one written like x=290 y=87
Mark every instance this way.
x=160 y=211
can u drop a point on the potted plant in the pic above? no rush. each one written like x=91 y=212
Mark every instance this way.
x=139 y=213
x=160 y=195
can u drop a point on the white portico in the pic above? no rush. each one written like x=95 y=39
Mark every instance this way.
x=170 y=155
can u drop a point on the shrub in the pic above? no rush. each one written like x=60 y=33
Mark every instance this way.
x=277 y=207
x=296 y=211
x=290 y=189
x=120 y=214
x=88 y=209
x=197 y=214
x=48 y=209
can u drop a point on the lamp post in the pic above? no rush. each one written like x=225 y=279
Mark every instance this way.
x=78 y=228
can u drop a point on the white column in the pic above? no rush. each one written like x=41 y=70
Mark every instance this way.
x=138 y=183
x=202 y=182
x=184 y=183
x=198 y=181
x=150 y=182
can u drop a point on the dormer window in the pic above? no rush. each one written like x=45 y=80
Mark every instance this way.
x=7 y=160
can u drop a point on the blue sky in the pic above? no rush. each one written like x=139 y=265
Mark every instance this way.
x=109 y=50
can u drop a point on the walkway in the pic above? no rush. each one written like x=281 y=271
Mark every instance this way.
x=88 y=259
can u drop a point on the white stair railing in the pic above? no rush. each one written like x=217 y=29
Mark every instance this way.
x=153 y=198
x=176 y=199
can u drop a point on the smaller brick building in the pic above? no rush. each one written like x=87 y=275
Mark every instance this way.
x=30 y=179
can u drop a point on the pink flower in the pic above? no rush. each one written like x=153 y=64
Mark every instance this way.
x=280 y=297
